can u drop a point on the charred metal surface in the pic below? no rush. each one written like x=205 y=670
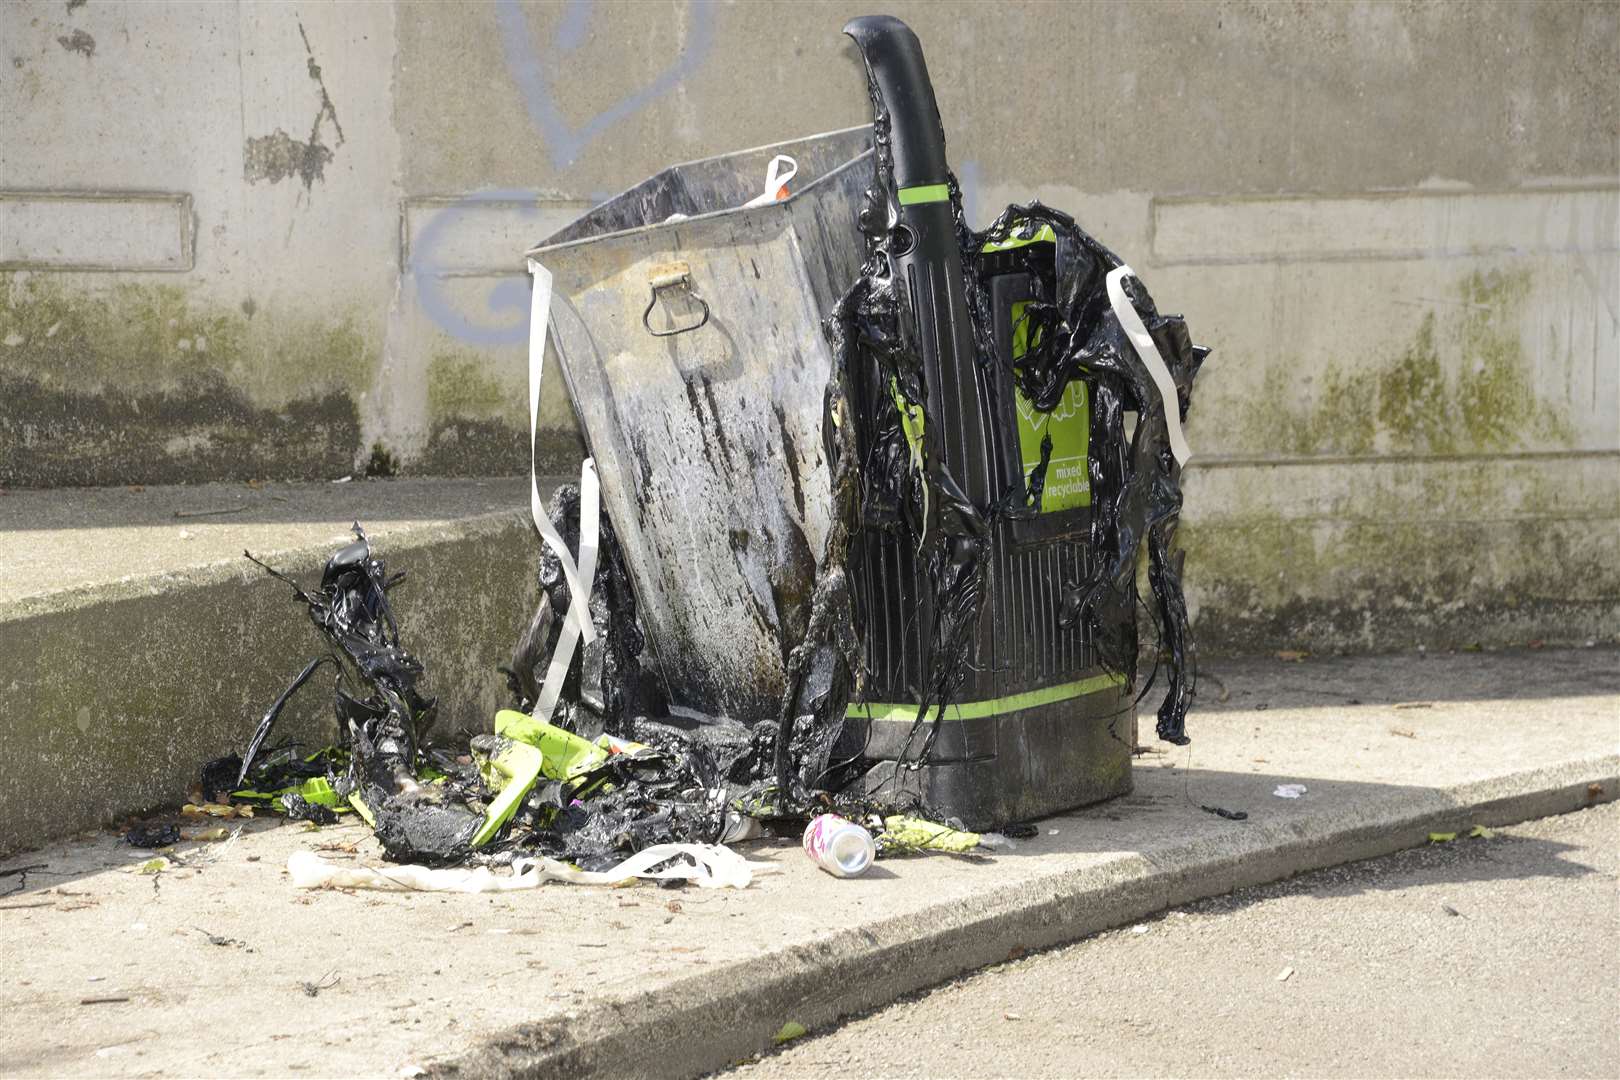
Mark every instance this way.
x=708 y=443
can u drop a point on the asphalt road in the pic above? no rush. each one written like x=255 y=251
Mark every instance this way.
x=1481 y=957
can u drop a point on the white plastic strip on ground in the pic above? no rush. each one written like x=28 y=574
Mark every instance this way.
x=583 y=573
x=1125 y=311
x=710 y=866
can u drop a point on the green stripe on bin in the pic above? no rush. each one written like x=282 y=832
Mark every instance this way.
x=926 y=193
x=976 y=710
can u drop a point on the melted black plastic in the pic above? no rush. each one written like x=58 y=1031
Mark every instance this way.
x=1136 y=482
x=382 y=718
x=147 y=835
x=1073 y=333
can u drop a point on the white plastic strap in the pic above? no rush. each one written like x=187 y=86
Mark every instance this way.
x=1125 y=311
x=582 y=575
x=775 y=180
x=579 y=605
x=710 y=866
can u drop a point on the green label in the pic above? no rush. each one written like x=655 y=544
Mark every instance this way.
x=1068 y=478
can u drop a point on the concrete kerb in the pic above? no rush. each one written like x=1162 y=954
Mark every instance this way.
x=707 y=1022
x=114 y=693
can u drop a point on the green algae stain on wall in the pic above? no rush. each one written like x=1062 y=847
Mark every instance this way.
x=476 y=420
x=143 y=383
x=1460 y=385
x=460 y=385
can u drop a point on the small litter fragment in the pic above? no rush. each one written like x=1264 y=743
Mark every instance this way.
x=1139 y=928
x=1442 y=837
x=1011 y=1016
x=327 y=981
x=218 y=832
x=1481 y=832
x=152 y=836
x=1229 y=815
x=218 y=810
x=153 y=866
x=1285 y=974
x=1289 y=791
x=1413 y=705
x=1403 y=733
x=1021 y=830
x=219 y=939
x=789 y=1031
x=109 y=999
x=298 y=808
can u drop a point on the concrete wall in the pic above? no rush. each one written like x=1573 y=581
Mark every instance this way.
x=256 y=239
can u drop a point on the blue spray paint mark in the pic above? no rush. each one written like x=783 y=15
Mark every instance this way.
x=533 y=73
x=509 y=297
x=575 y=28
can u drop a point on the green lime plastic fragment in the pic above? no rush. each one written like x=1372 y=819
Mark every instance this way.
x=916 y=834
x=1441 y=837
x=512 y=771
x=564 y=755
x=790 y=1030
x=912 y=419
x=362 y=809
x=316 y=789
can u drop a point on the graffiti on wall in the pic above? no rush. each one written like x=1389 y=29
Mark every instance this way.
x=500 y=316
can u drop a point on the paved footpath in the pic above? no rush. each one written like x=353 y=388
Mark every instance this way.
x=217 y=966
x=1486 y=957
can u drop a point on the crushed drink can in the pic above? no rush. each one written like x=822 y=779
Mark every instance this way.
x=839 y=846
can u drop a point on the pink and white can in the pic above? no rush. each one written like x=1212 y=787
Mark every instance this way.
x=839 y=846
